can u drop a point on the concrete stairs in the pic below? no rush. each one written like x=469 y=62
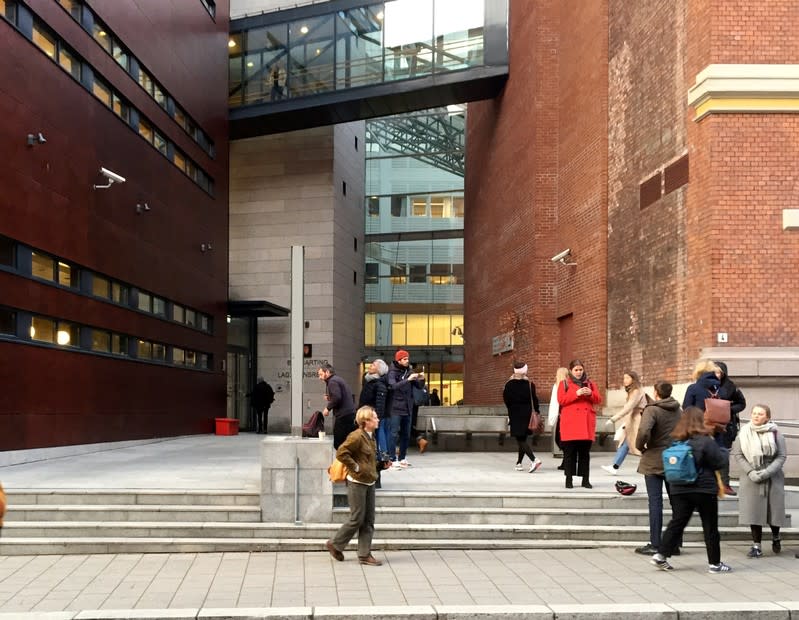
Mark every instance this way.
x=151 y=521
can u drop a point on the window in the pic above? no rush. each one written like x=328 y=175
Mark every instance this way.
x=73 y=7
x=120 y=108
x=178 y=313
x=159 y=352
x=7 y=252
x=119 y=293
x=457 y=273
x=67 y=275
x=440 y=274
x=67 y=334
x=43 y=40
x=120 y=54
x=437 y=207
x=191 y=317
x=397 y=206
x=179 y=160
x=69 y=63
x=145 y=81
x=119 y=344
x=42 y=329
x=8 y=318
x=398 y=274
x=101 y=287
x=457 y=206
x=102 y=91
x=191 y=358
x=419 y=207
x=372 y=273
x=8 y=9
x=419 y=273
x=159 y=142
x=204 y=361
x=159 y=306
x=159 y=96
x=100 y=34
x=178 y=356
x=145 y=130
x=205 y=322
x=145 y=302
x=144 y=349
x=101 y=341
x=42 y=266
x=373 y=207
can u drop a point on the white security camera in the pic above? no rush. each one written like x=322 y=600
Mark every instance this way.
x=112 y=177
x=561 y=256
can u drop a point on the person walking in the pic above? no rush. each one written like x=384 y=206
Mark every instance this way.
x=339 y=402
x=629 y=418
x=654 y=435
x=521 y=400
x=401 y=381
x=262 y=398
x=729 y=391
x=553 y=413
x=760 y=453
x=700 y=495
x=357 y=452
x=577 y=397
x=374 y=393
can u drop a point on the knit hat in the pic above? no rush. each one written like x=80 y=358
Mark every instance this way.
x=382 y=367
x=400 y=354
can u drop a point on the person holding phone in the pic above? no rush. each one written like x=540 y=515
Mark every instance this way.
x=401 y=381
x=577 y=397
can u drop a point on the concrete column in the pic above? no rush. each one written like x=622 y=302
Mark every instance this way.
x=292 y=493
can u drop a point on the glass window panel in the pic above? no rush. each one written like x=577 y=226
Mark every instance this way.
x=145 y=81
x=67 y=335
x=145 y=302
x=145 y=130
x=120 y=108
x=178 y=356
x=159 y=142
x=67 y=275
x=369 y=331
x=419 y=207
x=398 y=206
x=73 y=6
x=440 y=329
x=69 y=63
x=119 y=293
x=179 y=160
x=7 y=252
x=311 y=56
x=119 y=344
x=120 y=55
x=101 y=340
x=457 y=206
x=440 y=274
x=159 y=306
x=100 y=34
x=180 y=117
x=8 y=9
x=359 y=47
x=203 y=361
x=159 y=352
x=178 y=313
x=8 y=320
x=459 y=34
x=398 y=330
x=205 y=322
x=398 y=274
x=42 y=329
x=418 y=273
x=373 y=207
x=42 y=266
x=191 y=358
x=408 y=27
x=43 y=40
x=191 y=317
x=235 y=69
x=159 y=96
x=417 y=329
x=102 y=91
x=437 y=207
x=144 y=349
x=372 y=273
x=457 y=273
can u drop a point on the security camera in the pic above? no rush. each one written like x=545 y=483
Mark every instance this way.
x=112 y=177
x=561 y=256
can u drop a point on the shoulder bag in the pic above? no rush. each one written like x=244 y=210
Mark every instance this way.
x=536 y=424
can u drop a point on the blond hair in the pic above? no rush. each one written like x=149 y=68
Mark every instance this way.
x=703 y=366
x=363 y=415
x=561 y=374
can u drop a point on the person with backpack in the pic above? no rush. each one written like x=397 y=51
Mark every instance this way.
x=689 y=465
x=401 y=381
x=760 y=453
x=654 y=435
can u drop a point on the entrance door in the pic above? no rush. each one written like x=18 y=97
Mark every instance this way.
x=238 y=403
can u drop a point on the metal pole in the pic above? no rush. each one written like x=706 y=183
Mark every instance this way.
x=297 y=520
x=297 y=334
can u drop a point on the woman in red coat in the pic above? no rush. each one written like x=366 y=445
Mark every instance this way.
x=577 y=396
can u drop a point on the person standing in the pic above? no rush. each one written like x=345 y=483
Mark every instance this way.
x=374 y=394
x=339 y=402
x=729 y=391
x=553 y=413
x=401 y=382
x=357 y=452
x=654 y=435
x=630 y=418
x=521 y=400
x=577 y=397
x=700 y=495
x=435 y=401
x=262 y=398
x=760 y=453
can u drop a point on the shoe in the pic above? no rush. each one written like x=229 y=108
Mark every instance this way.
x=519 y=467
x=404 y=463
x=370 y=560
x=676 y=551
x=422 y=443
x=721 y=567
x=587 y=485
x=661 y=564
x=776 y=545
x=613 y=471
x=536 y=465
x=395 y=465
x=337 y=555
x=647 y=549
x=569 y=484
x=755 y=552
x=561 y=467
x=728 y=490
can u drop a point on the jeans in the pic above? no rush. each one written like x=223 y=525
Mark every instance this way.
x=383 y=437
x=682 y=507
x=361 y=498
x=400 y=434
x=654 y=492
x=621 y=454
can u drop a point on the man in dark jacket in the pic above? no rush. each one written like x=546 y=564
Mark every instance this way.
x=339 y=402
x=262 y=398
x=401 y=382
x=729 y=391
x=654 y=435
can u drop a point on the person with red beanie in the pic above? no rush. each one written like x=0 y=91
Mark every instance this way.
x=401 y=381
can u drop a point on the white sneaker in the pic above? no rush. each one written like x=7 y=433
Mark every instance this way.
x=536 y=465
x=611 y=470
x=519 y=467
x=395 y=465
x=404 y=463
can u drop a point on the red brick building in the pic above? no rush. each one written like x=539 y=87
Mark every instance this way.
x=657 y=141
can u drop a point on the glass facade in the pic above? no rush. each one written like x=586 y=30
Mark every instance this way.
x=374 y=43
x=414 y=209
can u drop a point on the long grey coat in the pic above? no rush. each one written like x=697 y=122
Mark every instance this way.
x=769 y=508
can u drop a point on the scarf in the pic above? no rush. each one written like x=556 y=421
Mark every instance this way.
x=757 y=443
x=371 y=377
x=579 y=382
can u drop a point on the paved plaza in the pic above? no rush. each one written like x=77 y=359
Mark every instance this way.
x=423 y=581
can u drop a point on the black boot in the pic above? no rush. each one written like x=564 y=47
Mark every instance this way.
x=586 y=484
x=569 y=484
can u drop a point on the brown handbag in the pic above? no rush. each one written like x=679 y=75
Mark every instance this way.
x=536 y=424
x=717 y=412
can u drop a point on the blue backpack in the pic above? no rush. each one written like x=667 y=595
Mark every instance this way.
x=679 y=465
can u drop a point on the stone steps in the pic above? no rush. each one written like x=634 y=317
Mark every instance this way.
x=132 y=512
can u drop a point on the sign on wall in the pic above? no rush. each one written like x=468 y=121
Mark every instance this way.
x=502 y=343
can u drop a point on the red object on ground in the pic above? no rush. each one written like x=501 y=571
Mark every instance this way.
x=227 y=426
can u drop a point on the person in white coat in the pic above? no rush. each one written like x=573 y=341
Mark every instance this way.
x=553 y=413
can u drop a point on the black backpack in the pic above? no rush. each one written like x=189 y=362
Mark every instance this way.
x=314 y=424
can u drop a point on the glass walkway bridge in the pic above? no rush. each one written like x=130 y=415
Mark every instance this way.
x=345 y=60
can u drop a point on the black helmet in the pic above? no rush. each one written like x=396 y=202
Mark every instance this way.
x=625 y=488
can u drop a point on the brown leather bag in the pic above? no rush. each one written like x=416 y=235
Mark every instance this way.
x=717 y=412
x=536 y=424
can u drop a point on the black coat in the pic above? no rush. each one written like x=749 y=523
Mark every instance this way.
x=374 y=393
x=401 y=389
x=696 y=393
x=729 y=391
x=262 y=395
x=520 y=399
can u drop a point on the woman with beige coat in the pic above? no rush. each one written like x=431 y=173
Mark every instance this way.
x=628 y=420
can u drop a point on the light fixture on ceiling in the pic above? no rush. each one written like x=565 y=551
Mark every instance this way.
x=304 y=29
x=380 y=16
x=231 y=43
x=62 y=337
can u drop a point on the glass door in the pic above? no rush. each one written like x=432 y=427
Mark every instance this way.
x=238 y=388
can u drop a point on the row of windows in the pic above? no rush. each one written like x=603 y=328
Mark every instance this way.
x=66 y=334
x=384 y=329
x=437 y=273
x=434 y=206
x=64 y=273
x=88 y=19
x=83 y=73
